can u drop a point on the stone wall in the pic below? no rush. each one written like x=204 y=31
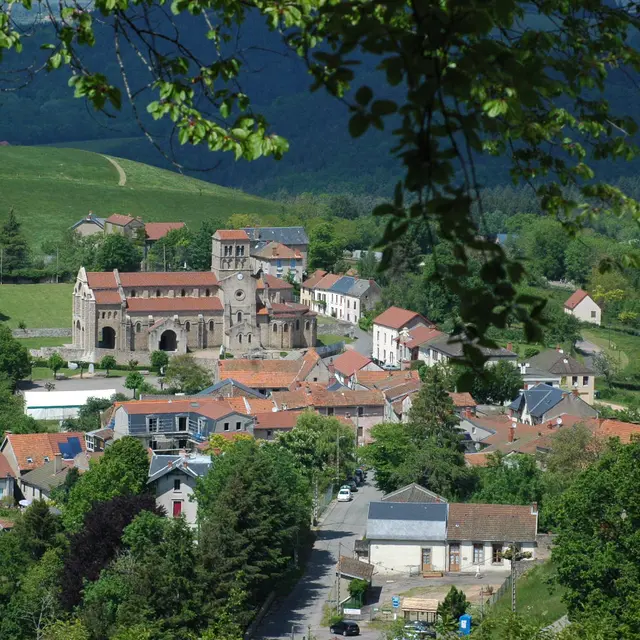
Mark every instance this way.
x=42 y=333
x=336 y=327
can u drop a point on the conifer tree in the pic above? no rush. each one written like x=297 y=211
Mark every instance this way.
x=15 y=251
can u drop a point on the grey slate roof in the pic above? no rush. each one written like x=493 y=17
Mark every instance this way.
x=44 y=477
x=407 y=521
x=343 y=285
x=90 y=218
x=284 y=235
x=413 y=493
x=542 y=398
x=194 y=466
x=352 y=568
x=553 y=361
x=230 y=381
x=454 y=349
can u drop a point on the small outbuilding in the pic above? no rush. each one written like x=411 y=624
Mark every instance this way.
x=59 y=405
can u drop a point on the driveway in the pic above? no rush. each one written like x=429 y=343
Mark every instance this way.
x=303 y=607
x=363 y=343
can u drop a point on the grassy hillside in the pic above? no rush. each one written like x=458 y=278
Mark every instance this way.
x=37 y=305
x=52 y=188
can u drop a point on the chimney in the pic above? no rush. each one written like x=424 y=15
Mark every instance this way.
x=534 y=508
x=274 y=251
x=512 y=434
x=56 y=463
x=510 y=346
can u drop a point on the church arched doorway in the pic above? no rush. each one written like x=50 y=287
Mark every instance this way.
x=108 y=338
x=168 y=341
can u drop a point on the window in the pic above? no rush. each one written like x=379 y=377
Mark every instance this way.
x=177 y=508
x=239 y=316
x=29 y=460
x=238 y=426
x=153 y=445
x=496 y=553
x=574 y=380
x=249 y=338
x=360 y=412
x=292 y=264
x=285 y=327
x=279 y=263
x=207 y=293
x=157 y=293
x=210 y=325
x=269 y=432
x=187 y=326
x=182 y=444
x=103 y=315
x=133 y=293
x=585 y=381
x=239 y=338
x=152 y=424
x=181 y=422
x=183 y=293
x=226 y=426
x=239 y=250
x=593 y=314
x=297 y=325
x=307 y=325
x=378 y=338
x=330 y=411
x=138 y=327
x=348 y=304
x=108 y=315
x=275 y=328
x=46 y=458
x=228 y=250
x=202 y=425
x=176 y=484
x=478 y=554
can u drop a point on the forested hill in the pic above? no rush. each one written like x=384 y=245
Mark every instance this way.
x=322 y=157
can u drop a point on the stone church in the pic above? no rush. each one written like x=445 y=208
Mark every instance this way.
x=231 y=306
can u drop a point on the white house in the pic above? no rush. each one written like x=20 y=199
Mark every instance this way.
x=426 y=538
x=173 y=479
x=582 y=306
x=348 y=364
x=343 y=297
x=387 y=328
x=443 y=348
x=7 y=478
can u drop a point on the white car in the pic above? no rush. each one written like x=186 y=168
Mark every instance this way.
x=344 y=495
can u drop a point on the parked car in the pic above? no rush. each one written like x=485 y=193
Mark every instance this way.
x=345 y=628
x=419 y=629
x=353 y=485
x=360 y=475
x=344 y=495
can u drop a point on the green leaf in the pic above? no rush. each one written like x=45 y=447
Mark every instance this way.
x=364 y=95
x=358 y=124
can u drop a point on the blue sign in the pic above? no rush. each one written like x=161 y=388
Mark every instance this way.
x=465 y=625
x=395 y=601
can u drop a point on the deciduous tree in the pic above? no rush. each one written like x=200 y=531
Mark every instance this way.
x=107 y=363
x=117 y=251
x=134 y=381
x=15 y=362
x=185 y=375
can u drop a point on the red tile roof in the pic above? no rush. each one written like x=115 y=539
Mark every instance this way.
x=420 y=335
x=278 y=250
x=477 y=459
x=138 y=305
x=575 y=299
x=269 y=374
x=231 y=234
x=38 y=445
x=213 y=408
x=385 y=379
x=396 y=318
x=169 y=279
x=273 y=283
x=491 y=523
x=157 y=230
x=5 y=469
x=617 y=429
x=462 y=399
x=324 y=398
x=119 y=219
x=309 y=361
x=277 y=419
x=108 y=296
x=251 y=406
x=327 y=281
x=349 y=362
x=101 y=280
x=314 y=278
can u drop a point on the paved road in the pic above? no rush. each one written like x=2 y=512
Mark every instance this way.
x=86 y=383
x=343 y=524
x=363 y=343
x=589 y=349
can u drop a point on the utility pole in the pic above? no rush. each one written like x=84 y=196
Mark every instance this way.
x=338 y=458
x=339 y=577
x=57 y=257
x=1 y=262
x=164 y=254
x=513 y=577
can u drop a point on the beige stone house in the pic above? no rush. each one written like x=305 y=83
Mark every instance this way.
x=123 y=224
x=582 y=306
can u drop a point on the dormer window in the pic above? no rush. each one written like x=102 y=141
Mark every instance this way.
x=29 y=460
x=46 y=458
x=183 y=293
x=157 y=293
x=133 y=293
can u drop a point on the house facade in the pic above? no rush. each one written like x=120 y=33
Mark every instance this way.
x=168 y=426
x=89 y=226
x=230 y=307
x=173 y=479
x=582 y=306
x=436 y=538
x=387 y=328
x=123 y=224
x=7 y=478
x=279 y=261
x=574 y=375
x=442 y=349
x=345 y=298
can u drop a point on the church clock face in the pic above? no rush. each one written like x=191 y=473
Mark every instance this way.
x=240 y=276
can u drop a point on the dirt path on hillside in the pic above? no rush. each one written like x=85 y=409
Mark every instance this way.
x=122 y=176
